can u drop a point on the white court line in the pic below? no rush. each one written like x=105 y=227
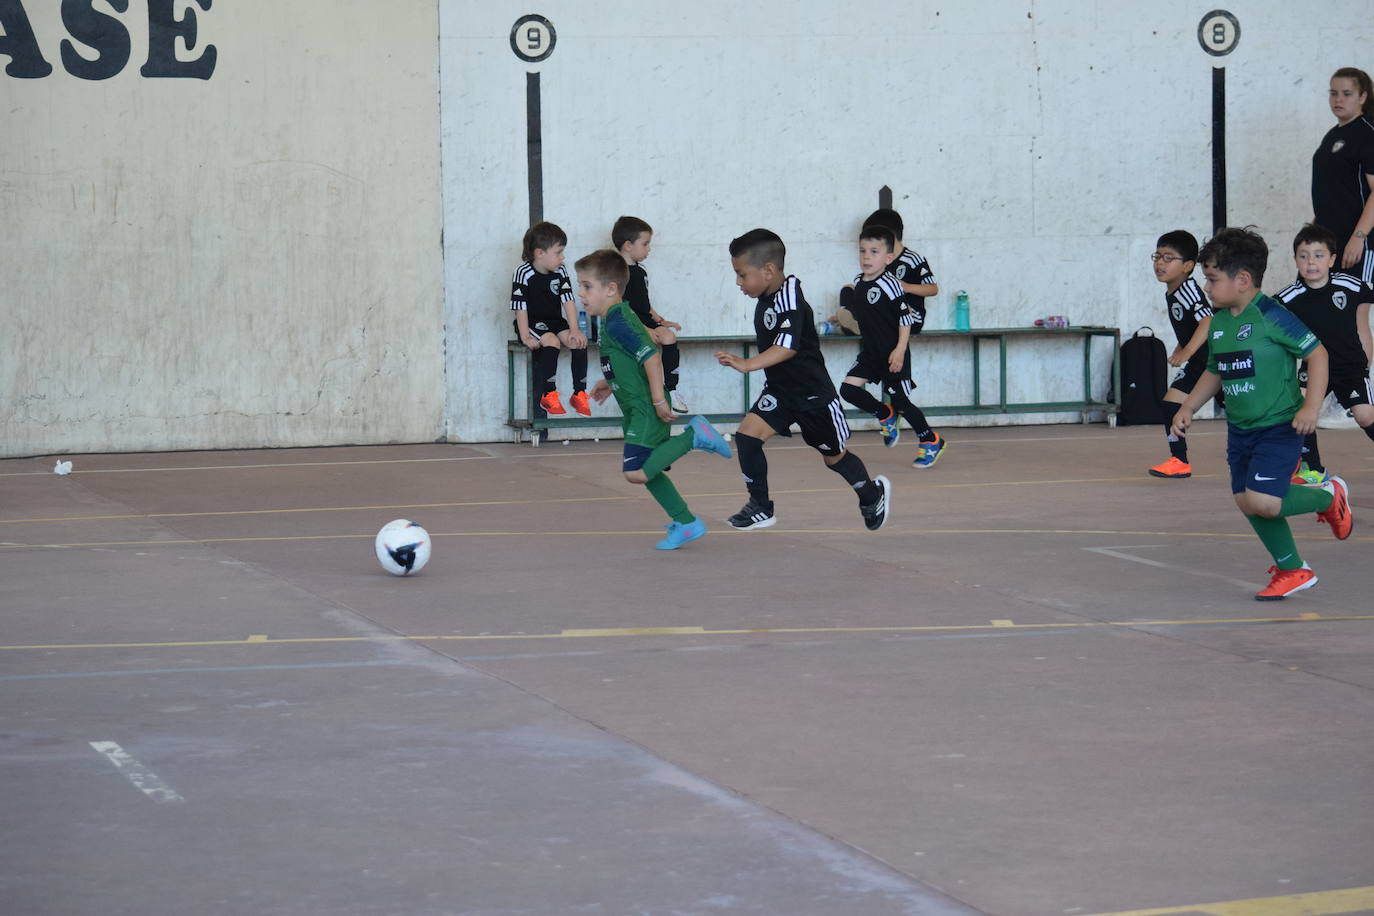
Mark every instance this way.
x=1116 y=552
x=144 y=779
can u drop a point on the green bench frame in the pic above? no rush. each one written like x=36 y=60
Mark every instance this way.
x=529 y=422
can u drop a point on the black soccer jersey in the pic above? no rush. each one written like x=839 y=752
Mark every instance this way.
x=784 y=319
x=1187 y=307
x=541 y=295
x=637 y=294
x=1339 y=183
x=880 y=308
x=1330 y=312
x=910 y=267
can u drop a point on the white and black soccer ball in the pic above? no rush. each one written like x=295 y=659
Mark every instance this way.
x=402 y=547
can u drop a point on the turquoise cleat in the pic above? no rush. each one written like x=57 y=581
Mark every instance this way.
x=706 y=438
x=679 y=534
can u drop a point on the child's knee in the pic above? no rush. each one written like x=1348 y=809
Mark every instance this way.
x=550 y=340
x=1364 y=414
x=666 y=337
x=636 y=476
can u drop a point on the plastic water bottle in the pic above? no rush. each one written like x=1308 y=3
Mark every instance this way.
x=582 y=323
x=961 y=311
x=827 y=327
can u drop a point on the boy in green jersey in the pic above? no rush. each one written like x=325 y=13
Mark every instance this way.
x=1253 y=346
x=633 y=371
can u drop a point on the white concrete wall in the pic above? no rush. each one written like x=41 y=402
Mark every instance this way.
x=251 y=259
x=1036 y=151
x=254 y=259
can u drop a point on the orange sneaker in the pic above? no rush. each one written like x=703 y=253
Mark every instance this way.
x=1287 y=581
x=551 y=404
x=1172 y=468
x=1338 y=515
x=581 y=403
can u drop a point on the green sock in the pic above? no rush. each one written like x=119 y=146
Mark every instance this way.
x=666 y=453
x=1300 y=500
x=667 y=496
x=1277 y=538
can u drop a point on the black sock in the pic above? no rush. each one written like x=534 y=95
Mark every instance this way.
x=911 y=413
x=1369 y=431
x=546 y=368
x=861 y=399
x=1178 y=445
x=671 y=360
x=754 y=466
x=852 y=469
x=1311 y=454
x=579 y=369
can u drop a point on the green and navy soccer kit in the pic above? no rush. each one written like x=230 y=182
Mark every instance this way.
x=1255 y=353
x=625 y=345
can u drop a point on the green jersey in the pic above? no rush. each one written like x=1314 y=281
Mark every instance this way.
x=625 y=345
x=1256 y=354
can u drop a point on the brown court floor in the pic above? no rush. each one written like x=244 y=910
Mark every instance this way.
x=1043 y=689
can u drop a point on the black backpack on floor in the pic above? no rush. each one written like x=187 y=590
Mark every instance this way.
x=1144 y=379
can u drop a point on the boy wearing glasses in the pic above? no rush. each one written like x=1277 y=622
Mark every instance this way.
x=1175 y=258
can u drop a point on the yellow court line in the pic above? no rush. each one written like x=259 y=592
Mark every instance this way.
x=1320 y=903
x=259 y=639
x=525 y=502
x=182 y=542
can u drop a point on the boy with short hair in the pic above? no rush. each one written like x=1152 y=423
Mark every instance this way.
x=1174 y=258
x=1335 y=306
x=914 y=275
x=633 y=371
x=1254 y=342
x=880 y=307
x=546 y=316
x=633 y=238
x=797 y=389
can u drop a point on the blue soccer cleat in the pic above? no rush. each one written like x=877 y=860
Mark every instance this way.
x=927 y=453
x=705 y=437
x=889 y=427
x=679 y=534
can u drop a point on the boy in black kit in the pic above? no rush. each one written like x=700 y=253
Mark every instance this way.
x=911 y=270
x=633 y=238
x=885 y=320
x=798 y=387
x=546 y=316
x=1335 y=306
x=1174 y=259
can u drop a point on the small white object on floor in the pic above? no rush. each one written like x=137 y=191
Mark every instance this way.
x=63 y=467
x=597 y=439
x=565 y=441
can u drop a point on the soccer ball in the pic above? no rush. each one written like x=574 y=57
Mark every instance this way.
x=402 y=547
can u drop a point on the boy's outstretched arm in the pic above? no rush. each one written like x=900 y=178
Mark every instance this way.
x=1305 y=420
x=1208 y=384
x=897 y=357
x=770 y=357
x=1195 y=343
x=653 y=373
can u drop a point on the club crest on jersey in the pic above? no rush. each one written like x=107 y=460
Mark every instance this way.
x=770 y=319
x=1338 y=299
x=768 y=402
x=874 y=294
x=1177 y=311
x=1245 y=331
x=1338 y=146
x=554 y=284
x=901 y=272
